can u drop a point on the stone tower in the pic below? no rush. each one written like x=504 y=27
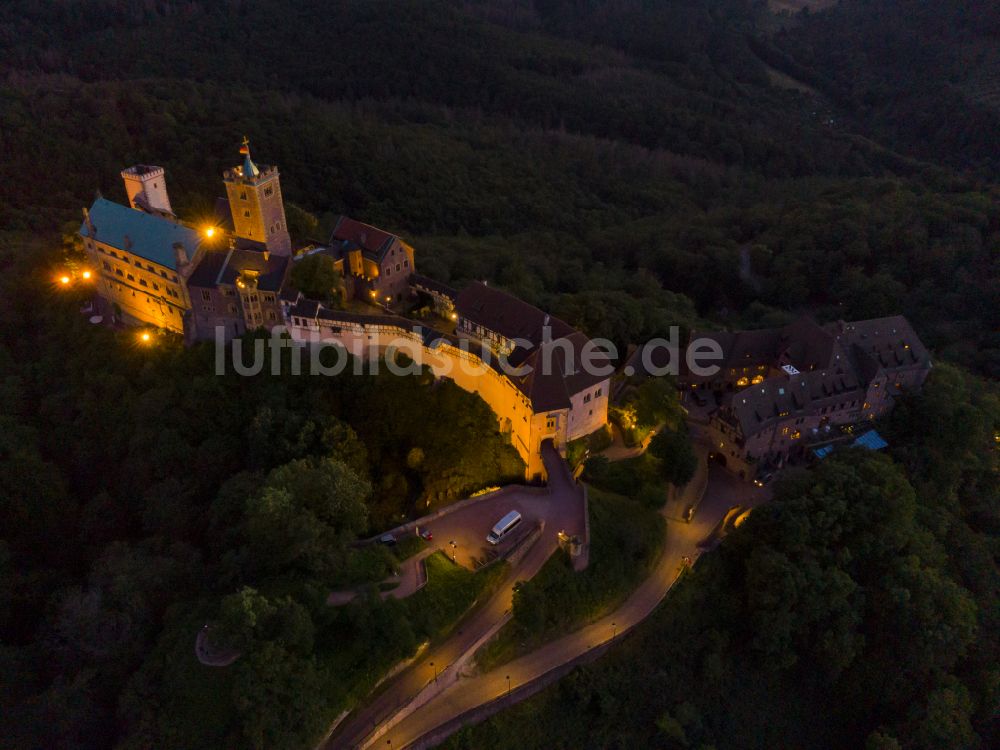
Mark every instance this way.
x=147 y=189
x=254 y=193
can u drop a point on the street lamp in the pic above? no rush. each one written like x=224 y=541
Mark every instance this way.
x=435 y=672
x=454 y=550
x=614 y=630
x=64 y=280
x=508 y=684
x=209 y=231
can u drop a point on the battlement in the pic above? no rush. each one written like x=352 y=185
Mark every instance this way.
x=266 y=172
x=142 y=171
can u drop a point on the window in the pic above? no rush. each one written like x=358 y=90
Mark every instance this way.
x=107 y=266
x=232 y=309
x=156 y=287
x=397 y=266
x=406 y=264
x=597 y=394
x=586 y=399
x=271 y=315
x=268 y=191
x=246 y=214
x=269 y=298
x=119 y=272
x=243 y=195
x=142 y=282
x=130 y=277
x=206 y=295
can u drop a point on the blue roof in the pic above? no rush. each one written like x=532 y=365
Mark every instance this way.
x=871 y=440
x=152 y=237
x=823 y=452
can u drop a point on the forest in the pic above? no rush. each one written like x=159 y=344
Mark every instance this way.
x=856 y=609
x=627 y=165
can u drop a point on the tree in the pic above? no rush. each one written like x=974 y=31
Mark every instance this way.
x=317 y=276
x=678 y=462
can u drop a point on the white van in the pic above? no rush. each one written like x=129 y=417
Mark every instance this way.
x=503 y=527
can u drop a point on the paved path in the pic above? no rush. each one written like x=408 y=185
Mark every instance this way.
x=561 y=509
x=682 y=539
x=618 y=451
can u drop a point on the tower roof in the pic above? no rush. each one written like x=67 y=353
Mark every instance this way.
x=249 y=168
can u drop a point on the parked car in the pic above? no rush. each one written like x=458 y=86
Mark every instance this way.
x=387 y=539
x=426 y=534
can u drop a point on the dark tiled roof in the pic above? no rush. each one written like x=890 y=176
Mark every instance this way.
x=223 y=214
x=783 y=397
x=890 y=342
x=207 y=271
x=803 y=344
x=506 y=314
x=349 y=233
x=558 y=372
x=223 y=266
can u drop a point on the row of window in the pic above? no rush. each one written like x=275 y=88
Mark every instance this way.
x=206 y=296
x=388 y=269
x=137 y=263
x=597 y=394
x=142 y=282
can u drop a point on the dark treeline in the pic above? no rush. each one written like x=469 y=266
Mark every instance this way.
x=627 y=165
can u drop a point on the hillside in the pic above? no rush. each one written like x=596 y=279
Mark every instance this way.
x=628 y=165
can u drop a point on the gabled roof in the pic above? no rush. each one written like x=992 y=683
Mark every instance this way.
x=558 y=373
x=148 y=236
x=507 y=315
x=223 y=267
x=890 y=342
x=781 y=397
x=374 y=242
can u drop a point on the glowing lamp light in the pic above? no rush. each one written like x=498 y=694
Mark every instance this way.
x=64 y=280
x=144 y=336
x=86 y=274
x=209 y=231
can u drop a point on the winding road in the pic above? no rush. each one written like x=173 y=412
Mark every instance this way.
x=416 y=709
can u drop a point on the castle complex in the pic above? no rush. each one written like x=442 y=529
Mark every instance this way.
x=775 y=392
x=222 y=280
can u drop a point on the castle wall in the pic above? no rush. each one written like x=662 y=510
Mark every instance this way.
x=145 y=292
x=515 y=417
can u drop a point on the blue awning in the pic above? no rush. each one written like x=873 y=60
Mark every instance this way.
x=871 y=440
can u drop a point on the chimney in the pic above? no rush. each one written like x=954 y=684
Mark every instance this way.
x=180 y=253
